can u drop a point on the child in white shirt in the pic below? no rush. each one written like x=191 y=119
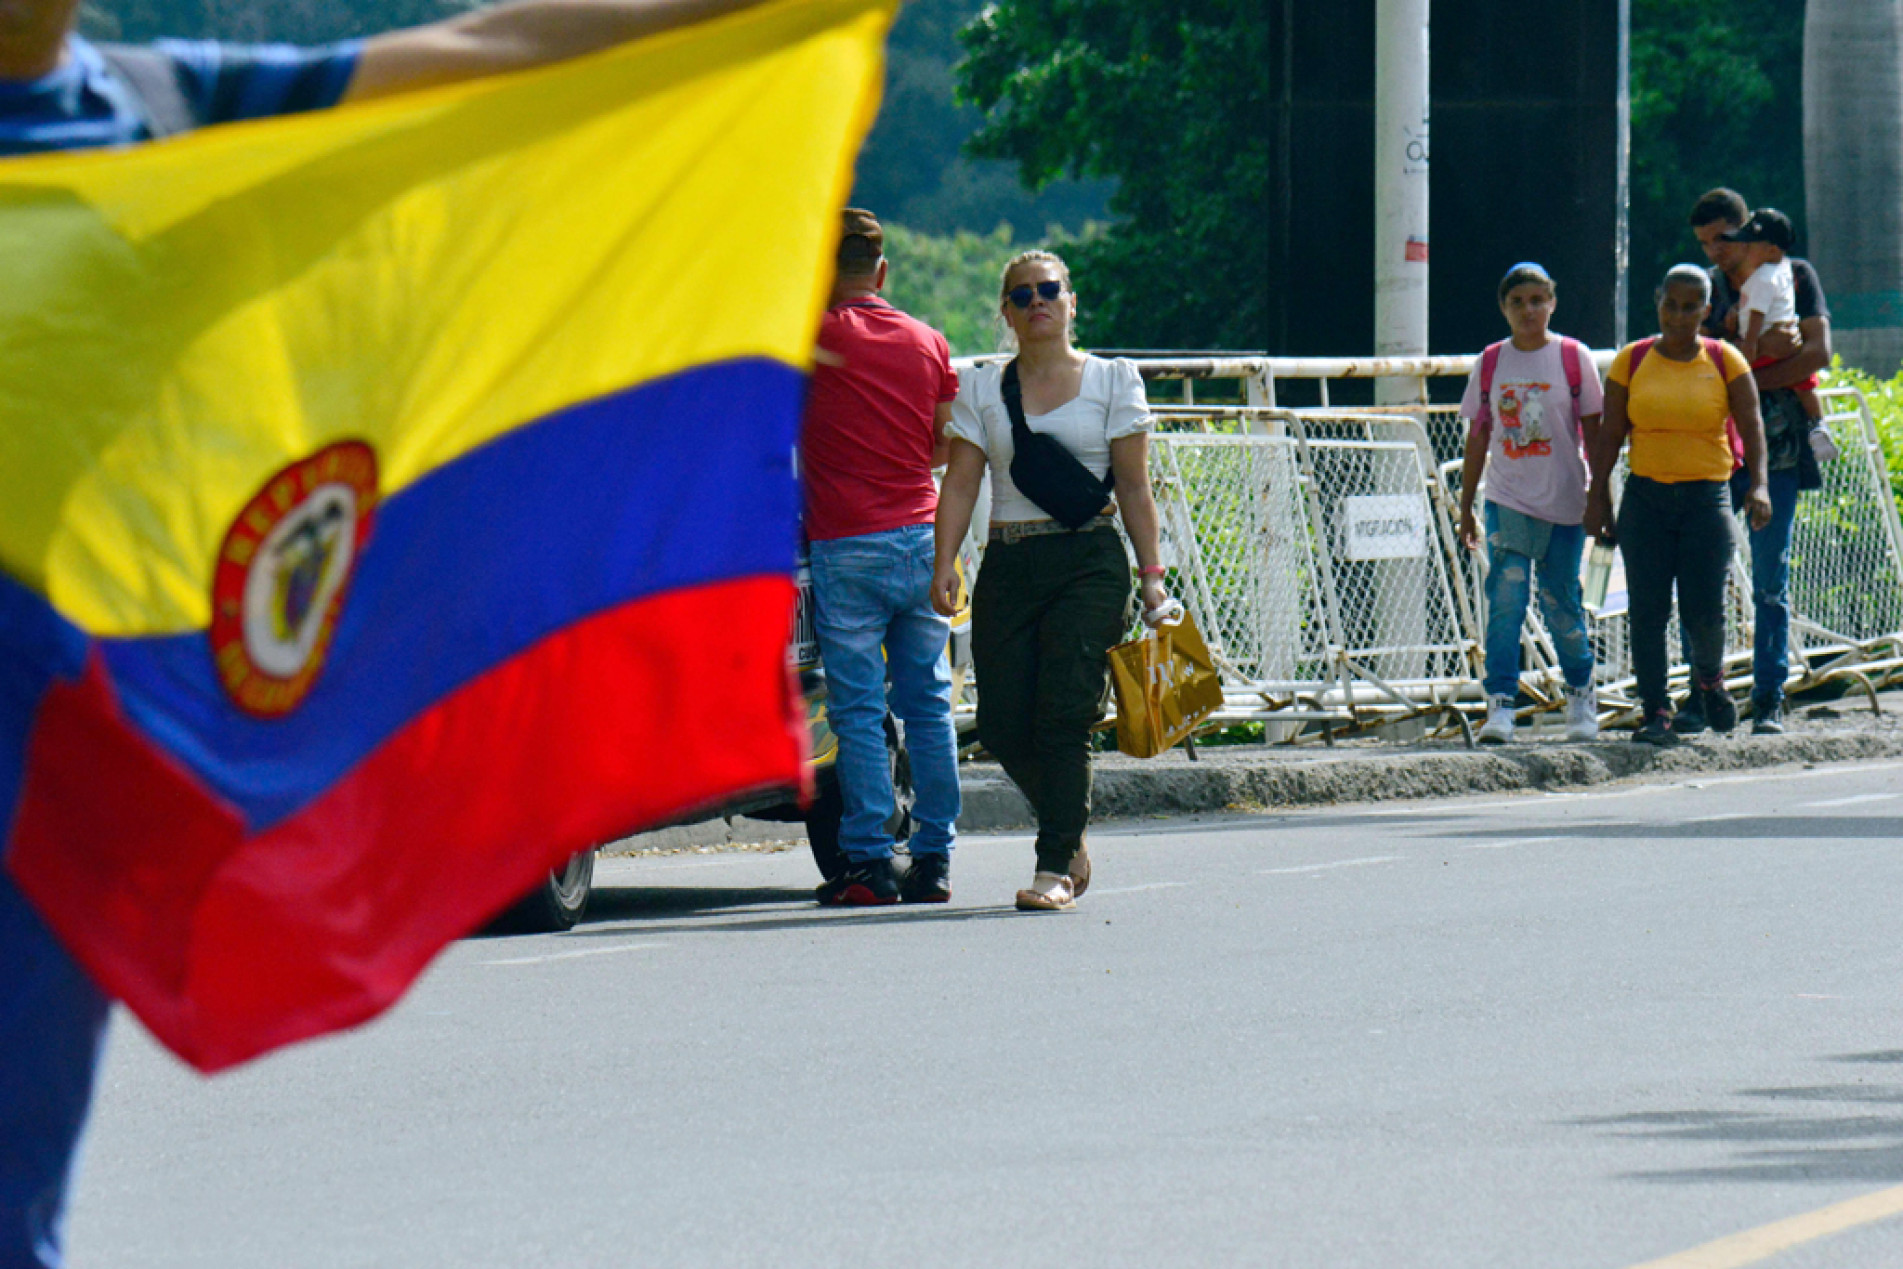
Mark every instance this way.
x=1767 y=303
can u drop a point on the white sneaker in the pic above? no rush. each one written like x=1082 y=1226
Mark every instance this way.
x=1582 y=714
x=1498 y=729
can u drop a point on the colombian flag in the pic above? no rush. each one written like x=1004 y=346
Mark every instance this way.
x=397 y=499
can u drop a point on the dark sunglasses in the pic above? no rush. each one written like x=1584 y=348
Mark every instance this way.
x=1021 y=295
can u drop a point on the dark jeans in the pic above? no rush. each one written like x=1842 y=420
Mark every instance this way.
x=1770 y=591
x=1675 y=536
x=1045 y=612
x=52 y=1037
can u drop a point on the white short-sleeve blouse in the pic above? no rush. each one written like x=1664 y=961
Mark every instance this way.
x=1109 y=403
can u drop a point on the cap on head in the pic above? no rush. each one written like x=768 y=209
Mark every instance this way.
x=861 y=241
x=1522 y=273
x=1767 y=224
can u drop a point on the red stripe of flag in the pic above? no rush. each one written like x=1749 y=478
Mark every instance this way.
x=227 y=946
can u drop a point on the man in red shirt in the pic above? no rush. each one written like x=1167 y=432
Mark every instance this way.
x=876 y=412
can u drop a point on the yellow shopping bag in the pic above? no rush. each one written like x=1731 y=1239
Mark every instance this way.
x=1166 y=684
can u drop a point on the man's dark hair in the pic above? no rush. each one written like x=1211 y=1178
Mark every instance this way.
x=861 y=243
x=1720 y=204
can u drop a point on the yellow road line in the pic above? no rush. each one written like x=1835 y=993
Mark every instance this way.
x=1754 y=1245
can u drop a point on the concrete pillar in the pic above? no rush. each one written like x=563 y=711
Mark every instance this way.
x=1400 y=189
x=1853 y=173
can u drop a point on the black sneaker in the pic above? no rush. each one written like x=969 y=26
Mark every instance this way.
x=1768 y=719
x=929 y=879
x=1657 y=729
x=1690 y=719
x=869 y=885
x=1720 y=710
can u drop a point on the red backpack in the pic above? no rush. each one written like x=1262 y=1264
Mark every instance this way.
x=1715 y=351
x=1572 y=355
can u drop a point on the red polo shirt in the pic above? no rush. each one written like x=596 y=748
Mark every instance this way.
x=867 y=440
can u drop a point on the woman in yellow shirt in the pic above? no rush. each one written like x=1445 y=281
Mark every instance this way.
x=1670 y=395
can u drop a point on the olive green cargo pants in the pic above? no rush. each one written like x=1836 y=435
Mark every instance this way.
x=1044 y=613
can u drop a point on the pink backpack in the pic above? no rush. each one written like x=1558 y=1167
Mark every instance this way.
x=1572 y=355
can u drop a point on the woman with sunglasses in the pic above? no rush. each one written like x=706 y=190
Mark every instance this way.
x=1050 y=600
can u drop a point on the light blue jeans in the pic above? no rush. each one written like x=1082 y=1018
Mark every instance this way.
x=1771 y=593
x=1509 y=588
x=873 y=613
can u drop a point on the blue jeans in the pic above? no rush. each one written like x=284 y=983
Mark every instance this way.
x=872 y=611
x=52 y=1033
x=1509 y=588
x=1771 y=593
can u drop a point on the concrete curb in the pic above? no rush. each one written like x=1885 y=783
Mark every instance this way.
x=1281 y=777
x=1249 y=780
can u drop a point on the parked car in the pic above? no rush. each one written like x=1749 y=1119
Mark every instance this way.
x=559 y=902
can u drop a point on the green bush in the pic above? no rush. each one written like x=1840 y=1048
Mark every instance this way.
x=951 y=281
x=1886 y=409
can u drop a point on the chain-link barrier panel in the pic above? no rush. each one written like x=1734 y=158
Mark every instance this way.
x=1845 y=587
x=1237 y=541
x=1317 y=549
x=1399 y=624
x=1847 y=547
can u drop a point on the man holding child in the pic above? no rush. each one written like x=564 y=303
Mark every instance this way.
x=1740 y=246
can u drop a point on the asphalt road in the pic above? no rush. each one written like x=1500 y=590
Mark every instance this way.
x=1595 y=1029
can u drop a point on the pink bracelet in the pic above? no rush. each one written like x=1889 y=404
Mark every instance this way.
x=1152 y=570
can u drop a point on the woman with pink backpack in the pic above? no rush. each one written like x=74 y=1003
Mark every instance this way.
x=1532 y=405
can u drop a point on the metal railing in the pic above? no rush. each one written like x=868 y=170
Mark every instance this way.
x=1316 y=548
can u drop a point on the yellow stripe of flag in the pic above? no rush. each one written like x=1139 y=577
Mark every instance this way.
x=424 y=272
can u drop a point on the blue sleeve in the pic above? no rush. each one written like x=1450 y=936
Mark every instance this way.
x=227 y=82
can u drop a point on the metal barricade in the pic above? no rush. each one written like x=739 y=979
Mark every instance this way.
x=1317 y=549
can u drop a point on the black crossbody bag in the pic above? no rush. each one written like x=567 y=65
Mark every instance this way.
x=1047 y=473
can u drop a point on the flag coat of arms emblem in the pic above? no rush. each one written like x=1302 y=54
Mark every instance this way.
x=399 y=498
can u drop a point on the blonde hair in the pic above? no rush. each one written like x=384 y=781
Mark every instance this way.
x=1031 y=257
x=1007 y=338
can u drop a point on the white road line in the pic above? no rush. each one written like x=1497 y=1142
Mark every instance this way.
x=1518 y=841
x=725 y=860
x=569 y=956
x=1713 y=819
x=1339 y=863
x=1861 y=797
x=1816 y=773
x=1532 y=799
x=1158 y=885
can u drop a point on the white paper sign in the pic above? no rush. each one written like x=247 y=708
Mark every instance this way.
x=1383 y=527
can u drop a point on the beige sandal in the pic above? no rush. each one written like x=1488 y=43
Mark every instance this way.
x=1049 y=892
x=1080 y=871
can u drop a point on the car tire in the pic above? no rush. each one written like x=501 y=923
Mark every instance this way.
x=555 y=905
x=829 y=806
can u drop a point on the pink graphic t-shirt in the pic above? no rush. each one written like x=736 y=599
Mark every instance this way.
x=1536 y=452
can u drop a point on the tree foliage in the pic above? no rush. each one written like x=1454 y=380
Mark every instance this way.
x=1171 y=98
x=912 y=169
x=951 y=281
x=1717 y=99
x=1166 y=98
